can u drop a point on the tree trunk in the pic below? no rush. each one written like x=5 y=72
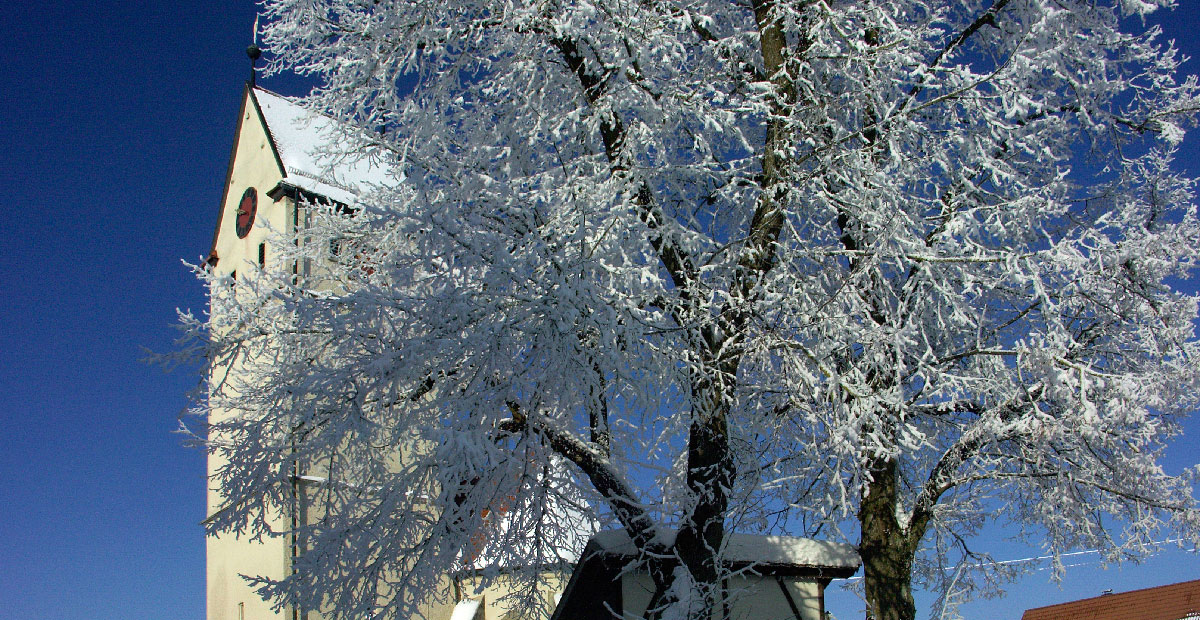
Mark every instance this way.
x=888 y=583
x=887 y=549
x=709 y=478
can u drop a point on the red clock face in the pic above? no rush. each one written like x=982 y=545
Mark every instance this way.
x=245 y=213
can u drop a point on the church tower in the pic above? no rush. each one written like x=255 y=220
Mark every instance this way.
x=253 y=202
x=282 y=160
x=278 y=164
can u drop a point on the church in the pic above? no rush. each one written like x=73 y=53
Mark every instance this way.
x=277 y=165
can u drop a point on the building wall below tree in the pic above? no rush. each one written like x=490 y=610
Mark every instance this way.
x=748 y=598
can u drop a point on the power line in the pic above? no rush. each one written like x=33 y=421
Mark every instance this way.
x=1040 y=558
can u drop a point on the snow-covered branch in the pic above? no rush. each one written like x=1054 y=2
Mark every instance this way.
x=874 y=270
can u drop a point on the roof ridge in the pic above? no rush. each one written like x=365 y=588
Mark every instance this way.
x=269 y=92
x=1105 y=605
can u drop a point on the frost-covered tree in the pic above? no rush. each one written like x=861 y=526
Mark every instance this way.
x=873 y=270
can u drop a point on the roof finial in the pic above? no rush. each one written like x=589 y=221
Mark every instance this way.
x=253 y=52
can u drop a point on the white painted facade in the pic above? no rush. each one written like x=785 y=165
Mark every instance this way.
x=280 y=152
x=253 y=164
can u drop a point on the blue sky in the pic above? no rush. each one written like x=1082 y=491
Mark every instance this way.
x=116 y=121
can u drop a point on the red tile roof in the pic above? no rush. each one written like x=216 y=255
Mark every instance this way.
x=1173 y=602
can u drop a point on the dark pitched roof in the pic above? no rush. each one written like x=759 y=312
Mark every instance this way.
x=1173 y=602
x=594 y=590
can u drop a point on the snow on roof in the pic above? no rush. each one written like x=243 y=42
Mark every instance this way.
x=751 y=549
x=319 y=155
x=465 y=609
x=563 y=522
x=565 y=536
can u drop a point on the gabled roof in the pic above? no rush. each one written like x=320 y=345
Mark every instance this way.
x=1172 y=602
x=316 y=154
x=317 y=157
